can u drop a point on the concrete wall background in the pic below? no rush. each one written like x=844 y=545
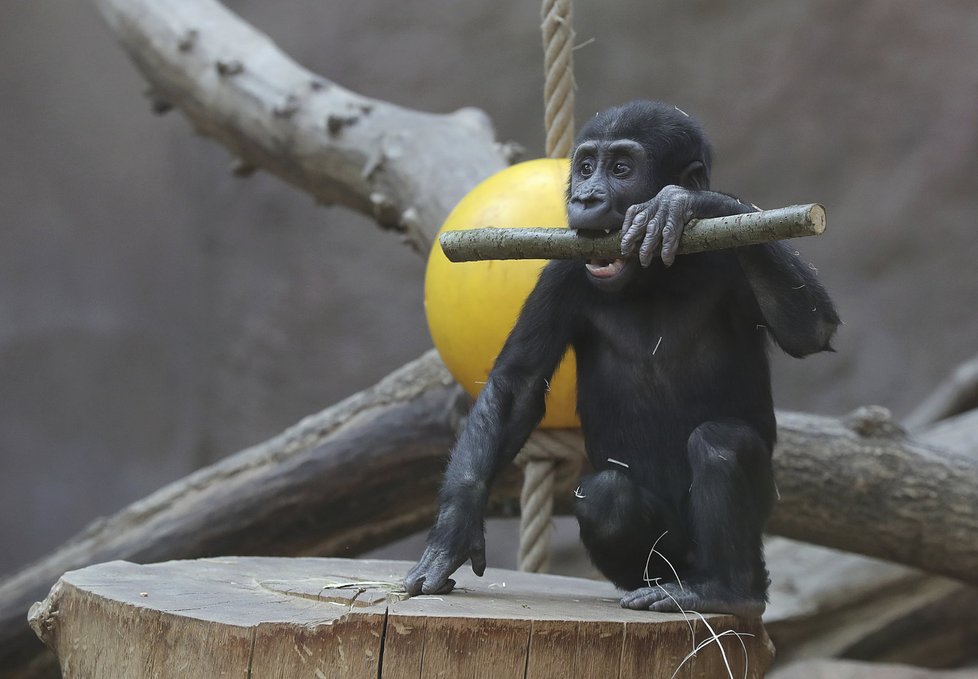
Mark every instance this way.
x=157 y=313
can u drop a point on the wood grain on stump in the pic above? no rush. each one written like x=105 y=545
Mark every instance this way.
x=283 y=617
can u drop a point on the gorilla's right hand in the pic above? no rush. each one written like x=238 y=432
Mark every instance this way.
x=453 y=541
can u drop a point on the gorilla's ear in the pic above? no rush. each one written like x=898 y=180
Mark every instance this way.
x=695 y=176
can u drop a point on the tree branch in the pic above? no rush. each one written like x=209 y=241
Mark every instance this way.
x=699 y=235
x=404 y=168
x=954 y=395
x=860 y=485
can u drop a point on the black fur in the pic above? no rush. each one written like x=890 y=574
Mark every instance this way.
x=673 y=381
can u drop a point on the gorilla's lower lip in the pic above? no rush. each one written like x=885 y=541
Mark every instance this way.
x=605 y=268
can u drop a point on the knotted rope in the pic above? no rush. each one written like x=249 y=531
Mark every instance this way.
x=546 y=448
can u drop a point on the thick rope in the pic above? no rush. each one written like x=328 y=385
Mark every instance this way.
x=558 y=64
x=541 y=453
x=539 y=458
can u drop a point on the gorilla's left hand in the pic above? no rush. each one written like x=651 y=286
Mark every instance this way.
x=659 y=221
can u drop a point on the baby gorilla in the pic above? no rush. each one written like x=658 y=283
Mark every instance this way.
x=673 y=382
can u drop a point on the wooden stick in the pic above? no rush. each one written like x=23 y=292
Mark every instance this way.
x=699 y=235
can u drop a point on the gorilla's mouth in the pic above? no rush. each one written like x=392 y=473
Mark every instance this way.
x=605 y=268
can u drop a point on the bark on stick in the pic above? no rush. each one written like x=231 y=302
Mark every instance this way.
x=700 y=235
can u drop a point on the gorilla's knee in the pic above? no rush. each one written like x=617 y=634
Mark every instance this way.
x=606 y=503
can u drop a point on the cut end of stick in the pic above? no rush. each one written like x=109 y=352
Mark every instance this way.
x=816 y=216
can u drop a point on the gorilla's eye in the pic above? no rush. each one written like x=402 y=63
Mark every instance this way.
x=621 y=169
x=586 y=168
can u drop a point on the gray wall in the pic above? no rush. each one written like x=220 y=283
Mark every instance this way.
x=157 y=313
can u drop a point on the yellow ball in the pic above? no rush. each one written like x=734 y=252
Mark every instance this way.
x=472 y=306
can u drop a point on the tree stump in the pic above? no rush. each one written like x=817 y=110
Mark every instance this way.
x=254 y=617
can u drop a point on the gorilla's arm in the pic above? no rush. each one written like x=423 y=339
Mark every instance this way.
x=506 y=411
x=796 y=308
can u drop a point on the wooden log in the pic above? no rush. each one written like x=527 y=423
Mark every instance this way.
x=698 y=236
x=859 y=484
x=326 y=618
